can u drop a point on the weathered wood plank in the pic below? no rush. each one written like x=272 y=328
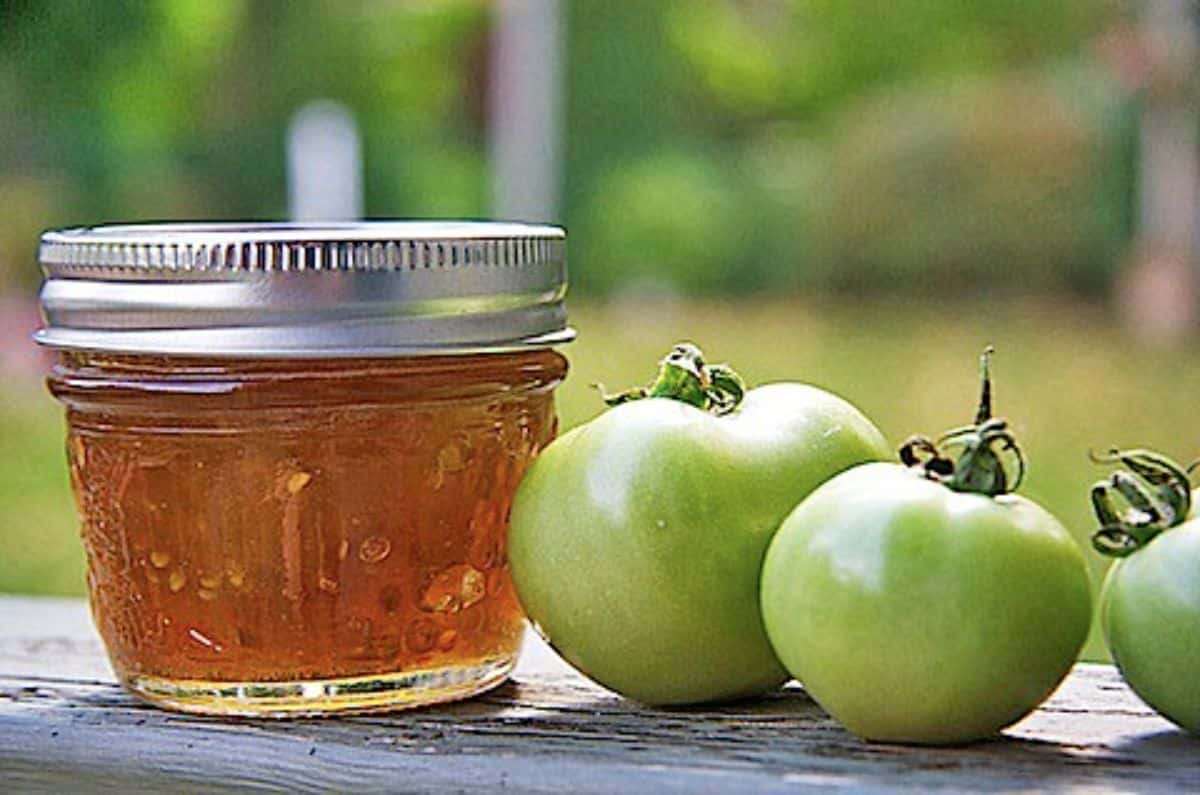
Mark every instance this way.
x=42 y=636
x=547 y=731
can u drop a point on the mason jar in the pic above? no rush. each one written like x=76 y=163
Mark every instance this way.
x=294 y=447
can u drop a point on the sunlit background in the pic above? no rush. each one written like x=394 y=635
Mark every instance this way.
x=860 y=195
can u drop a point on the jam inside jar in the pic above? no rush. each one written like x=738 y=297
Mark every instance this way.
x=303 y=535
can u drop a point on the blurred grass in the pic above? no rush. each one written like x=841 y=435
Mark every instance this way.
x=1066 y=377
x=39 y=550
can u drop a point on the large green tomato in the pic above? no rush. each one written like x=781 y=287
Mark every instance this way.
x=913 y=613
x=637 y=539
x=1150 y=603
x=924 y=603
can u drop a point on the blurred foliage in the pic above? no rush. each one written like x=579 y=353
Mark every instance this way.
x=711 y=145
x=977 y=185
x=877 y=146
x=161 y=109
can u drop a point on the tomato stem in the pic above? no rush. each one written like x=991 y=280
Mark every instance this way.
x=984 y=412
x=683 y=375
x=1134 y=506
x=986 y=449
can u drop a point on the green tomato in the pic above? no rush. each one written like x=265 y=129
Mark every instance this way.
x=1150 y=613
x=915 y=613
x=636 y=540
x=1150 y=603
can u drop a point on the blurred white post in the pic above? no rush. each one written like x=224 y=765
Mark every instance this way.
x=324 y=164
x=1160 y=292
x=524 y=109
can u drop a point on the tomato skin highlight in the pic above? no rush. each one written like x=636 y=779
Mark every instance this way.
x=636 y=540
x=916 y=614
x=1150 y=614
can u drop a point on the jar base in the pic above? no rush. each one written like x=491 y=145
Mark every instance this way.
x=320 y=697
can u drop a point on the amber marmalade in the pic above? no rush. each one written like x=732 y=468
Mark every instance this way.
x=303 y=535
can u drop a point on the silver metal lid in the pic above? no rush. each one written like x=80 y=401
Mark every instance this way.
x=394 y=288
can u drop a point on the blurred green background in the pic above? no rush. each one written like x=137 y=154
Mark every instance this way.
x=859 y=195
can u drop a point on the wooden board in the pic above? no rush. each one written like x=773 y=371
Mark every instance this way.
x=65 y=726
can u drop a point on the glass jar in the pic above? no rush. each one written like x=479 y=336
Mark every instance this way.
x=294 y=449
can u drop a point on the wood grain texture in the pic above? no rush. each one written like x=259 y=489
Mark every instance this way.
x=549 y=730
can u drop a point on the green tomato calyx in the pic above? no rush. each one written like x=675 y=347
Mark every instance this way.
x=1136 y=504
x=683 y=375
x=975 y=458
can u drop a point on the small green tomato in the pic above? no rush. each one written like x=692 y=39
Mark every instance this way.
x=924 y=603
x=1150 y=603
